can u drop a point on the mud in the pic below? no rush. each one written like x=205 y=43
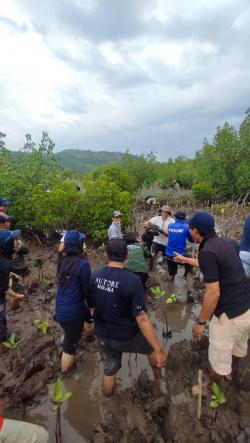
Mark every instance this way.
x=141 y=410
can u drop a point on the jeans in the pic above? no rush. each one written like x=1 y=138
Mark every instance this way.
x=72 y=335
x=3 y=321
x=245 y=260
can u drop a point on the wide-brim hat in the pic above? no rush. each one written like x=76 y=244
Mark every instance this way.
x=165 y=208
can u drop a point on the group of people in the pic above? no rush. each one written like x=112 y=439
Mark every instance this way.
x=113 y=297
x=115 y=293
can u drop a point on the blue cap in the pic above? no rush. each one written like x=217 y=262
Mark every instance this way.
x=204 y=221
x=180 y=215
x=5 y=236
x=73 y=237
x=4 y=202
x=16 y=233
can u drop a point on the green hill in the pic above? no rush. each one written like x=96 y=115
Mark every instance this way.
x=82 y=161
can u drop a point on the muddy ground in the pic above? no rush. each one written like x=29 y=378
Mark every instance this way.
x=145 y=412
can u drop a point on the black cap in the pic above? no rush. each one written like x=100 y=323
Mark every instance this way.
x=181 y=215
x=117 y=249
x=130 y=237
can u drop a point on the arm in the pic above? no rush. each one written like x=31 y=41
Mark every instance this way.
x=14 y=294
x=189 y=260
x=211 y=298
x=147 y=330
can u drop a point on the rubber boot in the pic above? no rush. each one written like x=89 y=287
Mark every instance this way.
x=66 y=362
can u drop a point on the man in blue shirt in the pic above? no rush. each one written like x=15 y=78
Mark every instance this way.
x=178 y=234
x=120 y=320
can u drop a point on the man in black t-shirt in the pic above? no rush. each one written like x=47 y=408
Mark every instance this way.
x=226 y=299
x=120 y=320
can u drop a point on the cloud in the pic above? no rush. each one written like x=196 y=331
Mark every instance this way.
x=111 y=74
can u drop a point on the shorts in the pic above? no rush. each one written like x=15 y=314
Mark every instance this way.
x=227 y=337
x=245 y=260
x=111 y=351
x=72 y=335
x=157 y=247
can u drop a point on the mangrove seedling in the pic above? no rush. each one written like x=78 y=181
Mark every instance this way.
x=159 y=293
x=58 y=398
x=41 y=326
x=12 y=341
x=171 y=299
x=218 y=398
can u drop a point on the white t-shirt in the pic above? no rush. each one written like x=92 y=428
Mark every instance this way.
x=162 y=224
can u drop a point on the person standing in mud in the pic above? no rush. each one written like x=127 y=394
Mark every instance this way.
x=161 y=221
x=245 y=247
x=72 y=281
x=226 y=298
x=6 y=251
x=135 y=262
x=120 y=320
x=178 y=234
x=114 y=230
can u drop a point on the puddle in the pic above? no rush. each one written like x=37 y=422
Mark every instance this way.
x=87 y=404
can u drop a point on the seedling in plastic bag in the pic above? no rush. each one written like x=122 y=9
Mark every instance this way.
x=218 y=398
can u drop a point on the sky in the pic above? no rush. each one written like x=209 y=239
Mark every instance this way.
x=113 y=75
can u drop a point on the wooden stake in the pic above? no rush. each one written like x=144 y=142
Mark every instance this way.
x=200 y=393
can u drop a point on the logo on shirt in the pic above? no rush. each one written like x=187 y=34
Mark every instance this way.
x=106 y=285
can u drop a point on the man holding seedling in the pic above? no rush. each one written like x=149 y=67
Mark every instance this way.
x=161 y=222
x=120 y=318
x=226 y=299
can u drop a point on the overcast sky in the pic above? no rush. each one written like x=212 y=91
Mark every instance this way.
x=118 y=74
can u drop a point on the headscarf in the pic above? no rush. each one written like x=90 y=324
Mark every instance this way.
x=68 y=262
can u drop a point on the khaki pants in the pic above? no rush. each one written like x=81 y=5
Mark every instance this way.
x=227 y=337
x=15 y=431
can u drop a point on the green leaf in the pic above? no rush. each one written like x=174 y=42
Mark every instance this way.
x=36 y=322
x=58 y=389
x=214 y=404
x=12 y=338
x=157 y=291
x=221 y=398
x=55 y=407
x=66 y=397
x=216 y=390
x=213 y=397
x=45 y=327
x=6 y=344
x=169 y=301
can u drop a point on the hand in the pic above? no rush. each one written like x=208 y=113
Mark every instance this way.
x=160 y=358
x=198 y=331
x=19 y=296
x=179 y=258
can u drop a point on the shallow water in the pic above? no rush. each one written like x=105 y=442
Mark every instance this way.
x=87 y=404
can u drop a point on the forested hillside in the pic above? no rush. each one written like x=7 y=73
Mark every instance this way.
x=45 y=197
